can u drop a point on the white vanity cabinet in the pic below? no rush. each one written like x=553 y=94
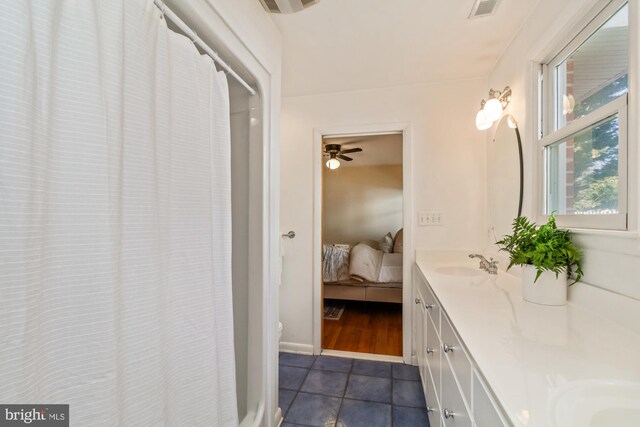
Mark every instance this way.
x=456 y=394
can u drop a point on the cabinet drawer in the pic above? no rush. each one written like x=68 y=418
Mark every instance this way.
x=485 y=412
x=452 y=351
x=454 y=410
x=432 y=307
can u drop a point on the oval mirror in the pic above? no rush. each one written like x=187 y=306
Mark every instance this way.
x=505 y=176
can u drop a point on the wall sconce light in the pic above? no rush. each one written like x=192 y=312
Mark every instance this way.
x=491 y=110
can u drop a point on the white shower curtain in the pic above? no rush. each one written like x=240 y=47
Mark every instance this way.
x=115 y=217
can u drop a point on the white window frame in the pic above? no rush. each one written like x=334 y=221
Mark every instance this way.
x=549 y=134
x=609 y=221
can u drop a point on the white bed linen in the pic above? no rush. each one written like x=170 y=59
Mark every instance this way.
x=391 y=268
x=375 y=266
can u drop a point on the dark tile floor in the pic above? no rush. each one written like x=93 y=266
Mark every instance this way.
x=326 y=391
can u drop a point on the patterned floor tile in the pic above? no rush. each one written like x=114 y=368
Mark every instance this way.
x=285 y=397
x=371 y=368
x=313 y=410
x=329 y=363
x=405 y=372
x=298 y=360
x=369 y=388
x=291 y=378
x=410 y=417
x=355 y=413
x=408 y=393
x=328 y=383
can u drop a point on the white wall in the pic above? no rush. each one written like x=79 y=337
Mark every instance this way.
x=611 y=259
x=448 y=156
x=361 y=203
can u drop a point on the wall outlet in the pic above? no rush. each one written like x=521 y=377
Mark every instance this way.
x=426 y=219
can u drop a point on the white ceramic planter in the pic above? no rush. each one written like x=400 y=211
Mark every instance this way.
x=547 y=290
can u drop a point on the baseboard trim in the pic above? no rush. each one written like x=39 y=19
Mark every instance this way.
x=292 y=347
x=363 y=356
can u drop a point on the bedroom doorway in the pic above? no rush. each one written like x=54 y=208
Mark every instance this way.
x=362 y=243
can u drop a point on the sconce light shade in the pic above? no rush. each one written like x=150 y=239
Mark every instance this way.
x=333 y=164
x=482 y=123
x=493 y=109
x=568 y=104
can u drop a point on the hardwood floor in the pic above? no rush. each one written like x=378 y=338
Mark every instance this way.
x=365 y=327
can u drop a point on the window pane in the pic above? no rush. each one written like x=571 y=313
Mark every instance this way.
x=582 y=171
x=596 y=72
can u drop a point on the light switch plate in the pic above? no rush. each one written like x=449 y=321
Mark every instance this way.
x=430 y=219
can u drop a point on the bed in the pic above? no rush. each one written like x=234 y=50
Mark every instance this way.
x=364 y=272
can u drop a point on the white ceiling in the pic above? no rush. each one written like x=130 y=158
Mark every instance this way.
x=376 y=149
x=345 y=45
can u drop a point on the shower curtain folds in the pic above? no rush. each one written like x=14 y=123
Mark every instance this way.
x=115 y=217
x=168 y=13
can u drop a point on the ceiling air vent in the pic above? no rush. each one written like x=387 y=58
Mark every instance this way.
x=483 y=8
x=287 y=6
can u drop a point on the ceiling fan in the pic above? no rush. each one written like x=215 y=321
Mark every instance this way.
x=335 y=152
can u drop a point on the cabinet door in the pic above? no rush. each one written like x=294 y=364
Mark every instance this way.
x=454 y=410
x=457 y=356
x=485 y=412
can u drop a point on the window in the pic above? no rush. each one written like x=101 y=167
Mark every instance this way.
x=583 y=156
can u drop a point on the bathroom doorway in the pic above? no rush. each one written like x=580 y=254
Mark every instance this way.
x=362 y=243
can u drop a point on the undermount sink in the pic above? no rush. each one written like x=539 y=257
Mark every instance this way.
x=595 y=403
x=458 y=270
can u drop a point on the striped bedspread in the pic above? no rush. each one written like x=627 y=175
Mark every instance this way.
x=335 y=263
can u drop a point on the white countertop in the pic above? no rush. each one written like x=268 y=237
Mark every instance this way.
x=541 y=362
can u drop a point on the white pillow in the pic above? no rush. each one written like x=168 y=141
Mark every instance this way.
x=386 y=243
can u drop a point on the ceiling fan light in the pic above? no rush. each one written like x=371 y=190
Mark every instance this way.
x=482 y=123
x=493 y=109
x=333 y=164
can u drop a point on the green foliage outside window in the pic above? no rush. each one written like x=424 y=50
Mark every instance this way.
x=596 y=154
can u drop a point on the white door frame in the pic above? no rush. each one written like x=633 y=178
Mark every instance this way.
x=407 y=216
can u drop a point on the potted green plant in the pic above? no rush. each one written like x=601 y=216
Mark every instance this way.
x=548 y=257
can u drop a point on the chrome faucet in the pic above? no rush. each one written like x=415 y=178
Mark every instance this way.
x=489 y=266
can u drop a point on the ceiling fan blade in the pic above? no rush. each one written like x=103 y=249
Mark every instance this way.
x=353 y=141
x=340 y=156
x=351 y=150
